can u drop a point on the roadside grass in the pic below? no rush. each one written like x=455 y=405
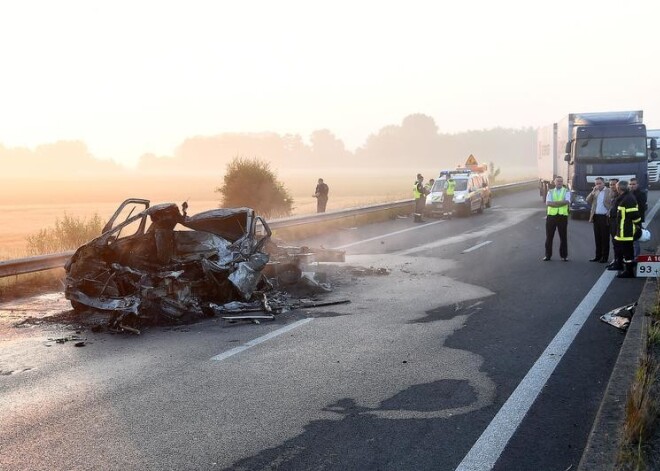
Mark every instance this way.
x=640 y=447
x=68 y=233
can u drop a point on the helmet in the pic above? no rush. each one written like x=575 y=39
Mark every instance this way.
x=646 y=236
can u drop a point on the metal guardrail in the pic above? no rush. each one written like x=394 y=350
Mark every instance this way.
x=22 y=266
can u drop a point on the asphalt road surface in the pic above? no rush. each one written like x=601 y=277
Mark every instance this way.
x=470 y=353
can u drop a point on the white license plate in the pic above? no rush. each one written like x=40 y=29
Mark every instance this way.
x=648 y=269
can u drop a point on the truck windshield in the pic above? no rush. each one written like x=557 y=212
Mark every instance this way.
x=611 y=148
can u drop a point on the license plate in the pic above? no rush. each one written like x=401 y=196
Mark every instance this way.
x=648 y=266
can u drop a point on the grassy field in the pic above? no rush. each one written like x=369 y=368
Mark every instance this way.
x=23 y=220
x=26 y=215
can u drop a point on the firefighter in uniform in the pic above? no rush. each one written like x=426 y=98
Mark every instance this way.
x=448 y=198
x=628 y=229
x=419 y=194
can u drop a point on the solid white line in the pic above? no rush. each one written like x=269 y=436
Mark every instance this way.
x=477 y=246
x=257 y=341
x=651 y=214
x=488 y=448
x=389 y=234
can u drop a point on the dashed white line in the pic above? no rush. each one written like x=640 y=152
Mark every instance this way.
x=477 y=246
x=258 y=340
x=389 y=234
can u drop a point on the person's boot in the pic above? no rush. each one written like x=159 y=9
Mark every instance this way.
x=616 y=265
x=628 y=270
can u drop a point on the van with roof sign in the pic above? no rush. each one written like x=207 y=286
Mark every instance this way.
x=471 y=193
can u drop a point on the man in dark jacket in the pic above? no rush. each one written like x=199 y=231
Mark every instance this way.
x=641 y=198
x=321 y=195
x=628 y=228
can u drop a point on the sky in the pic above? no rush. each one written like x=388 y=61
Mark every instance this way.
x=135 y=77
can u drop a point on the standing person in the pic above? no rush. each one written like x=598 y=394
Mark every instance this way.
x=628 y=228
x=448 y=198
x=557 y=202
x=601 y=202
x=612 y=216
x=420 y=198
x=321 y=195
x=429 y=186
x=615 y=264
x=641 y=198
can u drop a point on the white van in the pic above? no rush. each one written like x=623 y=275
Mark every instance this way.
x=472 y=193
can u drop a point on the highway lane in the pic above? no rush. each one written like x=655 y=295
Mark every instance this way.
x=407 y=376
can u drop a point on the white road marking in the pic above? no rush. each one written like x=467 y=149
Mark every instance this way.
x=490 y=445
x=649 y=216
x=508 y=219
x=477 y=246
x=389 y=234
x=257 y=341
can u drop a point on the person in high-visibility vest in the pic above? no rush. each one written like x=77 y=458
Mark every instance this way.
x=419 y=194
x=628 y=224
x=448 y=198
x=557 y=202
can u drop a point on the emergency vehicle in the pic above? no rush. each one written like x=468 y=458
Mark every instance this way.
x=471 y=193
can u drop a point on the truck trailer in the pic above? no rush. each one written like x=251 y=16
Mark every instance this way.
x=583 y=146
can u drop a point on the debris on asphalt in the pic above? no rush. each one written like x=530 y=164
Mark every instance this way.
x=65 y=339
x=371 y=271
x=620 y=317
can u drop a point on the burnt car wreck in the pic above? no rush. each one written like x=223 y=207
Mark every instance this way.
x=156 y=264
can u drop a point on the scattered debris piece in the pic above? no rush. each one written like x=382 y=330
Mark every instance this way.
x=79 y=344
x=68 y=338
x=371 y=271
x=254 y=318
x=620 y=317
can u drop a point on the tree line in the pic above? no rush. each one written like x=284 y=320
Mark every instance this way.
x=416 y=141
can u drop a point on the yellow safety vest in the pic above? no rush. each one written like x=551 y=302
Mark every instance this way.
x=558 y=196
x=622 y=234
x=416 y=193
x=451 y=185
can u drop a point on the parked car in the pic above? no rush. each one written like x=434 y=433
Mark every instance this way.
x=472 y=192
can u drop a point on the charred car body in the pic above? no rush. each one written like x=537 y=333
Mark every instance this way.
x=156 y=263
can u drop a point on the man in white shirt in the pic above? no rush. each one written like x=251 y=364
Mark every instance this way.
x=557 y=203
x=600 y=200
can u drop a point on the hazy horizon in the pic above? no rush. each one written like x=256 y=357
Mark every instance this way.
x=140 y=77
